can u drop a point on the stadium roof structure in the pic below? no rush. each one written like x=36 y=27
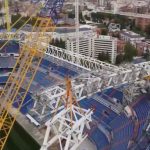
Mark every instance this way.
x=110 y=121
x=67 y=30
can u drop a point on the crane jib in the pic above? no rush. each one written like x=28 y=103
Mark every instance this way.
x=32 y=52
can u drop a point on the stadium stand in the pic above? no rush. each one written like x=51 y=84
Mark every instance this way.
x=99 y=109
x=122 y=128
x=27 y=103
x=142 y=109
x=114 y=93
x=50 y=72
x=10 y=49
x=43 y=79
x=99 y=139
x=61 y=68
x=7 y=62
x=3 y=79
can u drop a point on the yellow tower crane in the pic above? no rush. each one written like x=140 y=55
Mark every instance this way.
x=7 y=19
x=22 y=75
x=32 y=52
x=147 y=78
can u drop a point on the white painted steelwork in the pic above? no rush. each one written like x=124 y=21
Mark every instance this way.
x=68 y=136
x=101 y=76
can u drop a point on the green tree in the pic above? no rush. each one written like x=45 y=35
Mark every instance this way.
x=146 y=55
x=81 y=18
x=87 y=18
x=71 y=15
x=58 y=42
x=122 y=20
x=104 y=57
x=147 y=30
x=107 y=58
x=94 y=17
x=101 y=56
x=119 y=59
x=62 y=44
x=1 y=5
x=130 y=52
x=104 y=31
x=32 y=21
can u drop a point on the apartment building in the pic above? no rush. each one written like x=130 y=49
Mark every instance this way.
x=132 y=37
x=92 y=46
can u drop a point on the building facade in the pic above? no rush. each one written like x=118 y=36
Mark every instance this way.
x=93 y=46
x=142 y=22
x=70 y=33
x=132 y=37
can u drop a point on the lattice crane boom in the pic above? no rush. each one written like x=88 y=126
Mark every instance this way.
x=7 y=14
x=21 y=76
x=23 y=73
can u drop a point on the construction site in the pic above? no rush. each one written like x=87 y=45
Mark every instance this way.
x=65 y=100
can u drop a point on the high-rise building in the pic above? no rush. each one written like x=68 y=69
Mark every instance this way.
x=106 y=44
x=85 y=46
x=93 y=46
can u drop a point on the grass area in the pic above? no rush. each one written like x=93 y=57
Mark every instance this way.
x=19 y=139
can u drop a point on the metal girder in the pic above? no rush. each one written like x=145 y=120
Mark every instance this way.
x=103 y=74
x=46 y=103
x=81 y=60
x=69 y=133
x=100 y=76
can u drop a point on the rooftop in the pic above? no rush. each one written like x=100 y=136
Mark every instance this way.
x=69 y=30
x=131 y=34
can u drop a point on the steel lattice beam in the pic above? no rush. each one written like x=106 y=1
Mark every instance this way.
x=60 y=125
x=100 y=76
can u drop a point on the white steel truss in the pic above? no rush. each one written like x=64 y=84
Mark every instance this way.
x=101 y=76
x=46 y=103
x=91 y=63
x=67 y=129
x=78 y=59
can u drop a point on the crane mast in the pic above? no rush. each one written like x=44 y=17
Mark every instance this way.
x=6 y=5
x=32 y=52
x=22 y=75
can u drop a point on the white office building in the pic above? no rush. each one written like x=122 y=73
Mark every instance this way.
x=93 y=46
